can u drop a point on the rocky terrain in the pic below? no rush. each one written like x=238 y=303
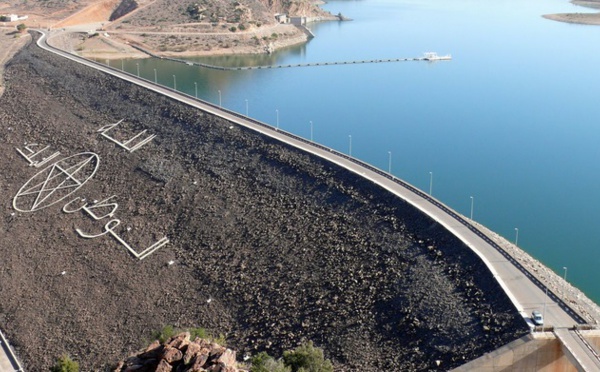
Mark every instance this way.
x=206 y=26
x=268 y=245
x=172 y=27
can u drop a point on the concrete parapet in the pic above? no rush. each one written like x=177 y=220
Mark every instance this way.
x=533 y=352
x=592 y=337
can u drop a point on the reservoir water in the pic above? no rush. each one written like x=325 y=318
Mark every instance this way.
x=512 y=121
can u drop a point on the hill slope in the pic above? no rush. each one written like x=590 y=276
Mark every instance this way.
x=184 y=27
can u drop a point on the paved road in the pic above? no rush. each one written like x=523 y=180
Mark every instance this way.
x=5 y=364
x=8 y=360
x=524 y=290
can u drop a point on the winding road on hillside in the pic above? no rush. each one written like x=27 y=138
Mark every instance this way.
x=525 y=291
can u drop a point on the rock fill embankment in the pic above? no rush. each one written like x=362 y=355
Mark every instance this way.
x=269 y=245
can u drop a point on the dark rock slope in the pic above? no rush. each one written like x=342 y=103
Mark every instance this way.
x=271 y=246
x=124 y=7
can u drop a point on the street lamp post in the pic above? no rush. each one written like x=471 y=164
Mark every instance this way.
x=174 y=82
x=277 y=121
x=350 y=144
x=138 y=69
x=516 y=236
x=565 y=281
x=220 y=98
x=196 y=89
x=389 y=162
x=311 y=130
x=430 y=183
x=155 y=79
x=545 y=300
x=472 y=202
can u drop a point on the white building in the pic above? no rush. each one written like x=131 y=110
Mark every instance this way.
x=13 y=18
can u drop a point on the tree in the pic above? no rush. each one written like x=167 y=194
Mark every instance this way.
x=21 y=27
x=307 y=358
x=65 y=364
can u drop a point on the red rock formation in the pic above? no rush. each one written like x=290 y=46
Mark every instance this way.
x=181 y=354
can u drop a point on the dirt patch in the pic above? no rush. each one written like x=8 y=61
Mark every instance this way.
x=97 y=12
x=270 y=246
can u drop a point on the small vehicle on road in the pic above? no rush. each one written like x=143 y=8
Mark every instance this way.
x=537 y=318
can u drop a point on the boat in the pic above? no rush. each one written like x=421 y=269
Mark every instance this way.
x=432 y=56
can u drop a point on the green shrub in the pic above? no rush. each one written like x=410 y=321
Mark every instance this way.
x=307 y=358
x=198 y=332
x=65 y=364
x=164 y=334
x=233 y=29
x=169 y=331
x=263 y=362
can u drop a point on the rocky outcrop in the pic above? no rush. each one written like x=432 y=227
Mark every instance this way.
x=181 y=354
x=294 y=7
x=125 y=7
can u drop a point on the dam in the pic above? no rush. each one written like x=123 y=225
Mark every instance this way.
x=521 y=289
x=504 y=267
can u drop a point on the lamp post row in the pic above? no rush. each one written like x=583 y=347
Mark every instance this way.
x=350 y=154
x=312 y=138
x=311 y=134
x=349 y=150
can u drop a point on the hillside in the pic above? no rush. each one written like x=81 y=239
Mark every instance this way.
x=180 y=27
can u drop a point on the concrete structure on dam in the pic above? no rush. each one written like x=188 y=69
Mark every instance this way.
x=538 y=351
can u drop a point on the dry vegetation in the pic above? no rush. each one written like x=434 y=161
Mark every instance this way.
x=181 y=27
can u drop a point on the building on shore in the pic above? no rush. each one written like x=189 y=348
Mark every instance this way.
x=12 y=18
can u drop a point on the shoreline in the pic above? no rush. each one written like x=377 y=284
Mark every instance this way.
x=592 y=19
x=122 y=45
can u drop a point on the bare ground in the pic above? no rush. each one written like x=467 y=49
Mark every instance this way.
x=287 y=247
x=579 y=18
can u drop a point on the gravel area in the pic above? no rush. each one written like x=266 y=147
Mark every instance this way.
x=268 y=245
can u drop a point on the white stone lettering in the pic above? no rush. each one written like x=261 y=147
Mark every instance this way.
x=56 y=182
x=31 y=154
x=131 y=144
x=109 y=228
x=99 y=205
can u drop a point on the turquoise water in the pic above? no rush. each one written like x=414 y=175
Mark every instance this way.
x=512 y=120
